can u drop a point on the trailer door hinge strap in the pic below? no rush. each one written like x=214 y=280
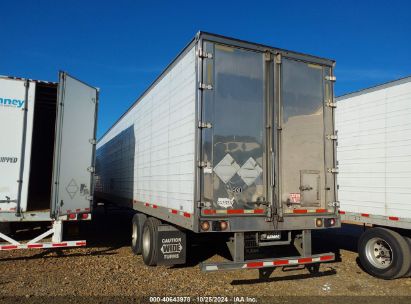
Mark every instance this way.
x=90 y=169
x=334 y=204
x=331 y=104
x=205 y=125
x=330 y=78
x=278 y=58
x=332 y=170
x=203 y=86
x=332 y=136
x=204 y=54
x=203 y=164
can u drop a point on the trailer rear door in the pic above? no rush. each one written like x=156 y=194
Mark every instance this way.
x=16 y=117
x=306 y=144
x=75 y=146
x=235 y=144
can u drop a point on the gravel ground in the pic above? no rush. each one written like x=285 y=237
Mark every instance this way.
x=108 y=268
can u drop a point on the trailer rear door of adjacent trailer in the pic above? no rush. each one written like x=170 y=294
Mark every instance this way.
x=75 y=146
x=16 y=108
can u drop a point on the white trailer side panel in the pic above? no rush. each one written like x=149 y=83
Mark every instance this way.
x=374 y=151
x=12 y=104
x=149 y=155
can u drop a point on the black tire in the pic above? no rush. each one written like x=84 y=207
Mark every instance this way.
x=150 y=236
x=377 y=243
x=137 y=232
x=408 y=240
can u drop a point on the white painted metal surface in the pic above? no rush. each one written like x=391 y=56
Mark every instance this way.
x=374 y=151
x=12 y=104
x=149 y=155
x=74 y=148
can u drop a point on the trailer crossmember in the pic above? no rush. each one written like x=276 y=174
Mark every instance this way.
x=56 y=242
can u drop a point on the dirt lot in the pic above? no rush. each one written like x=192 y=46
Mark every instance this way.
x=106 y=267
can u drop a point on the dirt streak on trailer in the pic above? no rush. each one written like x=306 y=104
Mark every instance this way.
x=233 y=137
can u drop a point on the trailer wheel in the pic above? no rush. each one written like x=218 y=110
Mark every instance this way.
x=150 y=235
x=137 y=232
x=408 y=240
x=384 y=253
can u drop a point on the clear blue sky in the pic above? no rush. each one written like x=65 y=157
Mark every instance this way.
x=122 y=46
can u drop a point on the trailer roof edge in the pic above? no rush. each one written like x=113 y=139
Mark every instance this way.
x=198 y=36
x=377 y=87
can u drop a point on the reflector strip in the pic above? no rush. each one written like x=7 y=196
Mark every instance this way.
x=44 y=245
x=300 y=211
x=305 y=260
x=173 y=211
x=268 y=263
x=372 y=216
x=255 y=264
x=11 y=209
x=280 y=262
x=326 y=258
x=209 y=211
x=233 y=211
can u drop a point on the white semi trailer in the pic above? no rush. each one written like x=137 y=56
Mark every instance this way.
x=47 y=150
x=233 y=138
x=374 y=161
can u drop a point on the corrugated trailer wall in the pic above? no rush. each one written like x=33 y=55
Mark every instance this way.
x=149 y=155
x=374 y=151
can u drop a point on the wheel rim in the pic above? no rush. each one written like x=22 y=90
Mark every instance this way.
x=134 y=236
x=146 y=241
x=379 y=253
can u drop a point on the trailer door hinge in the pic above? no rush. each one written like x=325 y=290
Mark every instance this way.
x=204 y=54
x=332 y=136
x=203 y=164
x=334 y=204
x=278 y=58
x=332 y=170
x=331 y=104
x=89 y=198
x=90 y=169
x=92 y=141
x=203 y=86
x=205 y=125
x=267 y=56
x=331 y=78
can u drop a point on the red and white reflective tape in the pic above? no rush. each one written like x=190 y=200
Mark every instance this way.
x=8 y=210
x=44 y=245
x=326 y=257
x=173 y=211
x=286 y=262
x=372 y=216
x=305 y=211
x=233 y=211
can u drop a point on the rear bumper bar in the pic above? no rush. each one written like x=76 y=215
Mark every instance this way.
x=269 y=263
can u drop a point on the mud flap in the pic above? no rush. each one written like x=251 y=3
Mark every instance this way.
x=171 y=246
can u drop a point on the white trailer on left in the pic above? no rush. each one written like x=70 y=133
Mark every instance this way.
x=47 y=147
